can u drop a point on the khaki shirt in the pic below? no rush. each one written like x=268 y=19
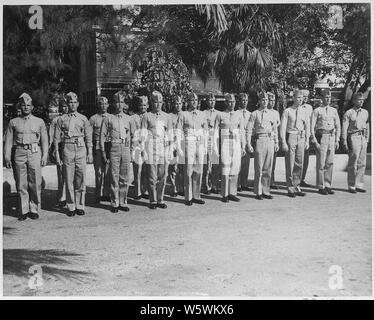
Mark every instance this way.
x=116 y=127
x=294 y=120
x=325 y=118
x=96 y=121
x=355 y=119
x=262 y=121
x=245 y=114
x=157 y=125
x=193 y=124
x=211 y=116
x=308 y=109
x=231 y=123
x=25 y=130
x=73 y=125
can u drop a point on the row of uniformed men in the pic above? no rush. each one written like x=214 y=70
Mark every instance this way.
x=117 y=141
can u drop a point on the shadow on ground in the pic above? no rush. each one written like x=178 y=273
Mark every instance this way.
x=18 y=261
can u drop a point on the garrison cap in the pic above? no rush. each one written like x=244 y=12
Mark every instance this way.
x=325 y=92
x=211 y=96
x=71 y=96
x=24 y=97
x=229 y=96
x=262 y=95
x=102 y=100
x=271 y=95
x=358 y=96
x=119 y=97
x=243 y=96
x=156 y=96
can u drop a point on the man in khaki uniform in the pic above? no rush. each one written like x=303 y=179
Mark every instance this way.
x=156 y=137
x=294 y=133
x=325 y=132
x=140 y=175
x=262 y=125
x=102 y=183
x=74 y=131
x=194 y=126
x=22 y=151
x=61 y=183
x=230 y=126
x=308 y=109
x=175 y=167
x=277 y=124
x=355 y=137
x=119 y=130
x=243 y=181
x=211 y=168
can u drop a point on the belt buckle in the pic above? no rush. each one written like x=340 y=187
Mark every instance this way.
x=26 y=146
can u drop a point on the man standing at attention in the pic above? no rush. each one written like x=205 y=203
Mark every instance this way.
x=61 y=183
x=243 y=181
x=355 y=137
x=74 y=131
x=230 y=126
x=325 y=132
x=276 y=115
x=119 y=129
x=26 y=149
x=295 y=139
x=176 y=168
x=193 y=124
x=309 y=110
x=102 y=185
x=211 y=165
x=140 y=175
x=156 y=136
x=262 y=124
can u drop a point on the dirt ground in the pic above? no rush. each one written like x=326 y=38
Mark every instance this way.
x=279 y=247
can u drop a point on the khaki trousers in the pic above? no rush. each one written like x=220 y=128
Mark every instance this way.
x=294 y=158
x=264 y=152
x=156 y=181
x=74 y=162
x=28 y=179
x=325 y=161
x=120 y=176
x=193 y=168
x=356 y=161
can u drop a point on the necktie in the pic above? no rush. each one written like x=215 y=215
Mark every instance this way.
x=298 y=124
x=122 y=130
x=358 y=119
x=71 y=125
x=194 y=118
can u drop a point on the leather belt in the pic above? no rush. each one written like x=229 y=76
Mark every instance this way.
x=264 y=134
x=74 y=140
x=25 y=146
x=323 y=131
x=357 y=132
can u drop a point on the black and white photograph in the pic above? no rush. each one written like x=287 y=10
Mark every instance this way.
x=201 y=150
